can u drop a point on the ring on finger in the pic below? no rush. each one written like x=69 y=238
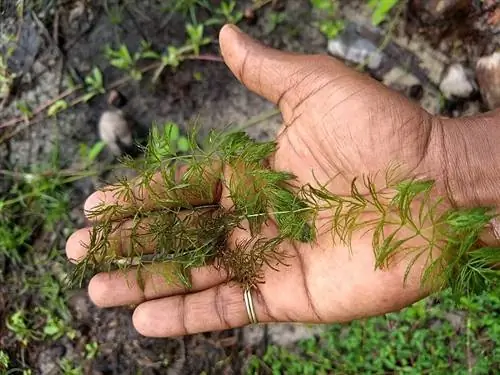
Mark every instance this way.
x=247 y=296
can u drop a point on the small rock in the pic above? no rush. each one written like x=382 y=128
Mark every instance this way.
x=116 y=99
x=429 y=11
x=457 y=82
x=115 y=131
x=488 y=77
x=288 y=334
x=47 y=360
x=353 y=47
x=399 y=79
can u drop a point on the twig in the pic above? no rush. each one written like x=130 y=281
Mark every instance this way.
x=205 y=58
x=261 y=4
x=41 y=108
x=35 y=114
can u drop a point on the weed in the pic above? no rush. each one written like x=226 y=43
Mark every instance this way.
x=122 y=59
x=329 y=25
x=4 y=360
x=19 y=324
x=275 y=19
x=32 y=215
x=91 y=350
x=69 y=368
x=396 y=214
x=381 y=9
x=432 y=336
x=94 y=84
x=226 y=13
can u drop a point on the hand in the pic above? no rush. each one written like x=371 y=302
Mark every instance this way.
x=337 y=122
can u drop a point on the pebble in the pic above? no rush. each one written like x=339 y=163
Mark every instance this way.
x=457 y=82
x=350 y=46
x=429 y=11
x=116 y=99
x=488 y=78
x=115 y=131
x=400 y=79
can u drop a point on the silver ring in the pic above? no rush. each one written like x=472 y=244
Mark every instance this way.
x=247 y=295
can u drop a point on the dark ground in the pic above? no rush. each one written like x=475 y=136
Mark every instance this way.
x=425 y=48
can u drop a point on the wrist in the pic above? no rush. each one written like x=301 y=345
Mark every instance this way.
x=470 y=155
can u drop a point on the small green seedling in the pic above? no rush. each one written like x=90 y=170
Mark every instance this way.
x=69 y=368
x=4 y=360
x=91 y=350
x=19 y=324
x=94 y=84
x=122 y=59
x=226 y=13
x=381 y=9
x=329 y=24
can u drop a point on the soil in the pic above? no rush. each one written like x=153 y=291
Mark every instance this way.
x=70 y=43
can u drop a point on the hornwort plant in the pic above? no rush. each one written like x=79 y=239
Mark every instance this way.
x=185 y=236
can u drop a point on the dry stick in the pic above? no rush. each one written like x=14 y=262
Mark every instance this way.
x=68 y=92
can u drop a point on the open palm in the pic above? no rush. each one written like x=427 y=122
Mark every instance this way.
x=337 y=122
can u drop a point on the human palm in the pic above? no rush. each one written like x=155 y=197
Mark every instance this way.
x=337 y=123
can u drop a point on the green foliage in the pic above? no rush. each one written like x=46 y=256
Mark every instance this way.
x=91 y=350
x=4 y=360
x=381 y=9
x=122 y=59
x=69 y=368
x=33 y=215
x=88 y=155
x=226 y=13
x=196 y=38
x=58 y=106
x=329 y=25
x=397 y=213
x=432 y=336
x=94 y=84
x=19 y=325
x=198 y=238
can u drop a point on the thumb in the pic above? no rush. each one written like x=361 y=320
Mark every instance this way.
x=284 y=78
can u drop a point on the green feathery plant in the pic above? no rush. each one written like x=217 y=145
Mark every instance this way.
x=164 y=227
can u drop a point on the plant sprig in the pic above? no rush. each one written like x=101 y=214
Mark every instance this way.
x=402 y=215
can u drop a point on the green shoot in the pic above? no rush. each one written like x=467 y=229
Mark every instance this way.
x=94 y=84
x=329 y=24
x=402 y=216
x=381 y=9
x=4 y=361
x=226 y=13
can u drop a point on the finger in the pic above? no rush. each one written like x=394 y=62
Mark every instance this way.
x=138 y=236
x=119 y=288
x=193 y=187
x=218 y=308
x=283 y=78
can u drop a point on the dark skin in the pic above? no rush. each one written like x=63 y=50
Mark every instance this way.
x=337 y=122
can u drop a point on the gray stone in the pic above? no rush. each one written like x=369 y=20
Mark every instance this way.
x=115 y=131
x=289 y=334
x=488 y=77
x=350 y=46
x=283 y=334
x=457 y=82
x=399 y=79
